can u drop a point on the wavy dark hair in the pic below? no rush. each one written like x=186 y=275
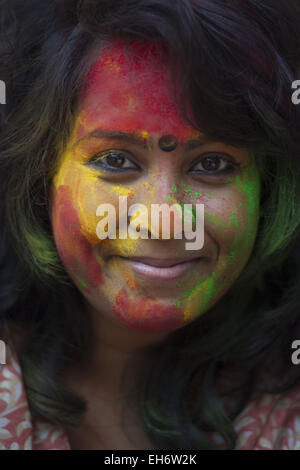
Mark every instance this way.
x=236 y=61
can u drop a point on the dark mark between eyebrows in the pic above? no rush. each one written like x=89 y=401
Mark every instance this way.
x=168 y=143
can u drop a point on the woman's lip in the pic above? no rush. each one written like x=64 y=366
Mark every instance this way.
x=160 y=262
x=161 y=269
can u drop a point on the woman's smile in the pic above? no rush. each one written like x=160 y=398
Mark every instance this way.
x=157 y=269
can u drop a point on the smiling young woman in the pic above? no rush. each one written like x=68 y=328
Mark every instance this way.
x=140 y=343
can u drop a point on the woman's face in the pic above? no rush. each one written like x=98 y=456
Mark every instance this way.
x=118 y=148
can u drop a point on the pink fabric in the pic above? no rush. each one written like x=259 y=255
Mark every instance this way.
x=268 y=422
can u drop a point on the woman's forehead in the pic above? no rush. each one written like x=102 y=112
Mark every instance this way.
x=130 y=88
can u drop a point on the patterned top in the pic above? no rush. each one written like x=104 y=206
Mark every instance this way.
x=268 y=422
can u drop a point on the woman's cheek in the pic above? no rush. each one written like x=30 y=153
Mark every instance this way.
x=88 y=199
x=73 y=247
x=234 y=232
x=77 y=193
x=93 y=193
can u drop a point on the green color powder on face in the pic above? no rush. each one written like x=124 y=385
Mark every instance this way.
x=212 y=286
x=251 y=189
x=184 y=279
x=187 y=192
x=250 y=186
x=82 y=282
x=233 y=220
x=216 y=220
x=189 y=210
x=232 y=255
x=204 y=292
x=195 y=195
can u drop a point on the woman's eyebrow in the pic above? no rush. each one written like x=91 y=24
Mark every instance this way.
x=138 y=139
x=132 y=138
x=197 y=142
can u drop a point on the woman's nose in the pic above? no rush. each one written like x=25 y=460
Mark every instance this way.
x=160 y=211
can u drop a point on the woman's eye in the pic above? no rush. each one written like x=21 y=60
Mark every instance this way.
x=113 y=160
x=214 y=164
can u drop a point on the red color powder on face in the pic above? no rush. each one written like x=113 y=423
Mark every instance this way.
x=146 y=314
x=74 y=250
x=130 y=88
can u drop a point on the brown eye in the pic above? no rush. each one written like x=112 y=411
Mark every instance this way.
x=211 y=164
x=215 y=165
x=113 y=160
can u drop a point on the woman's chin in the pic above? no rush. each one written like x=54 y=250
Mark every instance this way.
x=131 y=309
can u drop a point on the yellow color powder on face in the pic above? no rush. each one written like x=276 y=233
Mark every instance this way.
x=121 y=191
x=193 y=300
x=111 y=63
x=128 y=277
x=127 y=247
x=147 y=186
x=146 y=136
